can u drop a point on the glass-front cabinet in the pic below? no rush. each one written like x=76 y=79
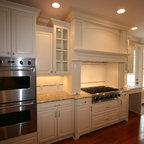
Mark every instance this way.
x=61 y=50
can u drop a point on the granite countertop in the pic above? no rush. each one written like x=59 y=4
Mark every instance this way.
x=55 y=96
x=128 y=88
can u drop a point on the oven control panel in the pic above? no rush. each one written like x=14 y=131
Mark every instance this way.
x=28 y=62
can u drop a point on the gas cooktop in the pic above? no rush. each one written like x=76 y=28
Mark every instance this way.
x=102 y=93
x=99 y=89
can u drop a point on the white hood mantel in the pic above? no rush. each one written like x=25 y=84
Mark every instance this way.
x=99 y=56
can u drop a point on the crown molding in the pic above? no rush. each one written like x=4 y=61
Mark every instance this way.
x=77 y=15
x=20 y=7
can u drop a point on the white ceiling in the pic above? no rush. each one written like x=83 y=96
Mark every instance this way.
x=134 y=15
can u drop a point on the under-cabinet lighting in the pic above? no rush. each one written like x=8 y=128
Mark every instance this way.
x=134 y=28
x=121 y=11
x=55 y=5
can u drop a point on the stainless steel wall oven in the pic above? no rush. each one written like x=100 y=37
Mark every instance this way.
x=17 y=97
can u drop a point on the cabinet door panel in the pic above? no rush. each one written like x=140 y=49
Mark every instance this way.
x=47 y=126
x=83 y=118
x=23 y=34
x=5 y=34
x=44 y=52
x=65 y=121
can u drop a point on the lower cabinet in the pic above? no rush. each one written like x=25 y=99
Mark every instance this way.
x=55 y=120
x=82 y=116
x=105 y=113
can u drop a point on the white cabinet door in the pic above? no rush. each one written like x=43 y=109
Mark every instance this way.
x=5 y=49
x=44 y=52
x=61 y=50
x=66 y=121
x=83 y=118
x=47 y=125
x=23 y=34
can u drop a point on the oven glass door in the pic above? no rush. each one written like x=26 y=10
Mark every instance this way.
x=17 y=119
x=17 y=84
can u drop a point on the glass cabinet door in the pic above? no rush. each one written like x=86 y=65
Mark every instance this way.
x=61 y=49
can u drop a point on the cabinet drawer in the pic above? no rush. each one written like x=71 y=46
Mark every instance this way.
x=83 y=101
x=105 y=106
x=66 y=102
x=49 y=105
x=102 y=120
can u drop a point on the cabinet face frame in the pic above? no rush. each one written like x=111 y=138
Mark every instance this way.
x=61 y=51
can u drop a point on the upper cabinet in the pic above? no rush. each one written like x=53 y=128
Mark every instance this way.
x=44 y=50
x=52 y=48
x=17 y=30
x=61 y=49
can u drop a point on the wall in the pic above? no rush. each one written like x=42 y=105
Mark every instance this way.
x=49 y=83
x=98 y=74
x=93 y=74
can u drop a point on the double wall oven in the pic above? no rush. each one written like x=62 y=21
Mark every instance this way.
x=17 y=97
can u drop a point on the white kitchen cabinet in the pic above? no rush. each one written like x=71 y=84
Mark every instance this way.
x=23 y=34
x=55 y=120
x=105 y=113
x=5 y=48
x=82 y=116
x=47 y=124
x=44 y=50
x=17 y=30
x=61 y=49
x=65 y=120
x=124 y=106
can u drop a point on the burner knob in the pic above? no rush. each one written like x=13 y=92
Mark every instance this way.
x=1 y=61
x=21 y=62
x=29 y=62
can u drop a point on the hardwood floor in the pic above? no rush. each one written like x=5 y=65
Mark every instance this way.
x=131 y=132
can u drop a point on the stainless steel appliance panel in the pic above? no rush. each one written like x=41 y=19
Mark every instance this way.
x=17 y=85
x=17 y=119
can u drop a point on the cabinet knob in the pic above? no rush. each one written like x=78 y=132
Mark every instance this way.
x=8 y=53
x=13 y=53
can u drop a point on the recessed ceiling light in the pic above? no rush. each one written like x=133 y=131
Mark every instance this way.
x=55 y=5
x=121 y=11
x=134 y=28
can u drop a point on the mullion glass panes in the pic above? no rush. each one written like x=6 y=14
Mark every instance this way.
x=65 y=56
x=58 y=44
x=58 y=33
x=61 y=50
x=65 y=66
x=64 y=44
x=58 y=66
x=65 y=34
x=59 y=55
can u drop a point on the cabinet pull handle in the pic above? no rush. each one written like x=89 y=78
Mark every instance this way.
x=8 y=53
x=85 y=101
x=13 y=53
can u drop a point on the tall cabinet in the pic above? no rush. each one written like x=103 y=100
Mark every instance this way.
x=17 y=30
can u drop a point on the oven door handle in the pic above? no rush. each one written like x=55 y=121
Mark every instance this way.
x=26 y=104
x=25 y=69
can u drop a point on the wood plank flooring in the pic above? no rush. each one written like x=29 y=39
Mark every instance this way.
x=131 y=132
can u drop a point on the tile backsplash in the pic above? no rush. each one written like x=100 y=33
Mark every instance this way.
x=49 y=83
